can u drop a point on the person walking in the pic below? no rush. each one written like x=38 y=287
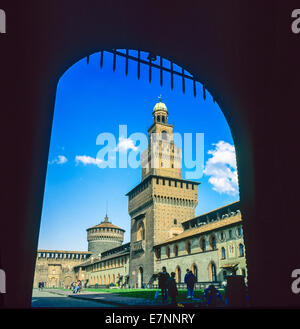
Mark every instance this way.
x=76 y=287
x=172 y=289
x=79 y=286
x=162 y=283
x=186 y=279
x=190 y=282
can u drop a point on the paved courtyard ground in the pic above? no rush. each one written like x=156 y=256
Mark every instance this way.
x=114 y=298
x=45 y=299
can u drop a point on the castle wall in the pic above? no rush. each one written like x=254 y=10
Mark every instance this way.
x=55 y=268
x=113 y=271
x=141 y=252
x=229 y=237
x=161 y=207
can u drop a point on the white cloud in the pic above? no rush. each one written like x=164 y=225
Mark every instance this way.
x=87 y=160
x=221 y=168
x=125 y=144
x=61 y=159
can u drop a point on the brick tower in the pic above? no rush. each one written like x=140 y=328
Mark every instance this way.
x=104 y=236
x=161 y=201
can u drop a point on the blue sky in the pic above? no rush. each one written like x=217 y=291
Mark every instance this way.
x=90 y=101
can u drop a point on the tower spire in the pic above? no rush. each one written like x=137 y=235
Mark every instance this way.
x=106 y=217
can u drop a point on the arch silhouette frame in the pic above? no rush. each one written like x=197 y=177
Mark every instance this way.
x=239 y=62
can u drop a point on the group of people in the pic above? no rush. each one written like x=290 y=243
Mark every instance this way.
x=211 y=298
x=76 y=286
x=41 y=285
x=167 y=284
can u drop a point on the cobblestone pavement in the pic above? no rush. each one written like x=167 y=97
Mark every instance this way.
x=45 y=299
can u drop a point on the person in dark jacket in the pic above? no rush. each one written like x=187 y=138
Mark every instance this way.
x=187 y=274
x=190 y=282
x=162 y=283
x=172 y=289
x=212 y=296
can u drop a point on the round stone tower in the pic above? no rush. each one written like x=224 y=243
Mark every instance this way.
x=104 y=236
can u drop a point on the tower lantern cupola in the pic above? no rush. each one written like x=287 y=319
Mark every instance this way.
x=160 y=112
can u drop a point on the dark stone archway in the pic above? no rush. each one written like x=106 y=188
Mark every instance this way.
x=245 y=54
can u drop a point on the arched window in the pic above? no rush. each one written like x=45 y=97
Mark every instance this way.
x=195 y=271
x=213 y=272
x=213 y=242
x=223 y=253
x=164 y=135
x=241 y=249
x=168 y=251
x=158 y=118
x=178 y=274
x=175 y=221
x=176 y=250
x=222 y=236
x=140 y=277
x=239 y=231
x=188 y=247
x=158 y=253
x=203 y=244
x=141 y=232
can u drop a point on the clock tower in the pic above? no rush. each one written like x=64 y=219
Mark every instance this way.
x=161 y=201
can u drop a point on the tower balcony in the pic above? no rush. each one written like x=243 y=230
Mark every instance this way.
x=138 y=246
